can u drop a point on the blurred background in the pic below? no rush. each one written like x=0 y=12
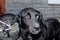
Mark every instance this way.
x=48 y=10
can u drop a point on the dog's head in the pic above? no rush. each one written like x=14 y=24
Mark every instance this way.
x=31 y=19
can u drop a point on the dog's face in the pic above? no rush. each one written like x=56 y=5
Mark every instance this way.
x=30 y=19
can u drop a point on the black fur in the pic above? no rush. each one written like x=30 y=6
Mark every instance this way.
x=50 y=27
x=53 y=29
x=25 y=33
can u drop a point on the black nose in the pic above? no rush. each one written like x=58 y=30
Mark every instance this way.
x=37 y=28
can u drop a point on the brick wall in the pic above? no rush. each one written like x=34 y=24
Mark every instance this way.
x=14 y=6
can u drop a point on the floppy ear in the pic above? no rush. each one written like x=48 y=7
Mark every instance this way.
x=41 y=16
x=19 y=18
x=41 y=19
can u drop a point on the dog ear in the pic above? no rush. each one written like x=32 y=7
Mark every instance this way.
x=41 y=16
x=19 y=18
x=41 y=19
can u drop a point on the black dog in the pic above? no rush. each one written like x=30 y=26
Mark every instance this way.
x=53 y=29
x=32 y=27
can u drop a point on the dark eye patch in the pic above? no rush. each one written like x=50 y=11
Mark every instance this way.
x=27 y=16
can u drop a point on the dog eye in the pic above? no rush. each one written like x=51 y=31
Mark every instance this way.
x=37 y=16
x=28 y=16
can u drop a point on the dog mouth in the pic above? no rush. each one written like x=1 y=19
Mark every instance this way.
x=34 y=31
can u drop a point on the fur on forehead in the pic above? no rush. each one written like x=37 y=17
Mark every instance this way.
x=26 y=10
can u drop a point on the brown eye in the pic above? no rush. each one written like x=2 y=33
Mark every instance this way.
x=37 y=16
x=28 y=16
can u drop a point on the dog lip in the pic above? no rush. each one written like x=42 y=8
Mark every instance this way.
x=35 y=32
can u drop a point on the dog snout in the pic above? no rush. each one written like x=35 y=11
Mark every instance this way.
x=35 y=24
